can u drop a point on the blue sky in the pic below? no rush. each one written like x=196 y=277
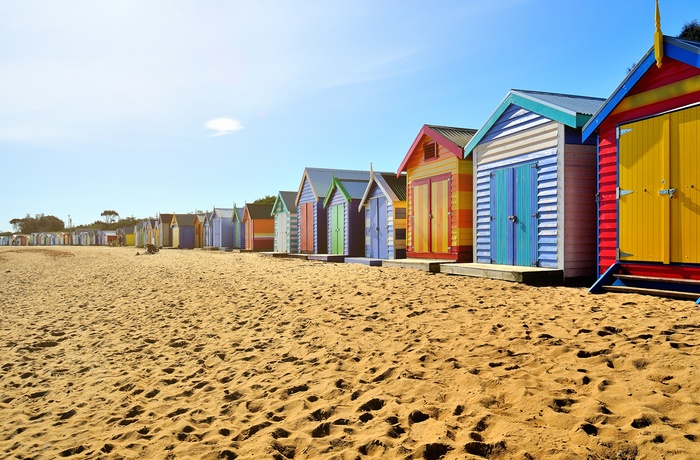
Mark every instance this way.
x=175 y=106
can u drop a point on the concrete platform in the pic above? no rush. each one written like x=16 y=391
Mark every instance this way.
x=364 y=261
x=340 y=258
x=275 y=254
x=535 y=276
x=298 y=256
x=427 y=265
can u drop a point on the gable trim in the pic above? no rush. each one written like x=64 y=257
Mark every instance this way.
x=437 y=137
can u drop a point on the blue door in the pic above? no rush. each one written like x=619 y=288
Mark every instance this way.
x=378 y=228
x=514 y=215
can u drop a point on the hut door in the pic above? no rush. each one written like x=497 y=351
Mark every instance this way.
x=514 y=215
x=338 y=229
x=658 y=196
x=378 y=228
x=306 y=223
x=431 y=214
x=282 y=232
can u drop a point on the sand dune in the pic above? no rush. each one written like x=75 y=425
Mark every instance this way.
x=205 y=354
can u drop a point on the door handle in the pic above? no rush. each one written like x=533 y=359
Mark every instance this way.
x=513 y=218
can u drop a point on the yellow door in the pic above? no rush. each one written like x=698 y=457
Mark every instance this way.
x=659 y=178
x=421 y=217
x=643 y=225
x=439 y=216
x=685 y=174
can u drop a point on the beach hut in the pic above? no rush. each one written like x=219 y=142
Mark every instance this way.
x=165 y=232
x=221 y=223
x=208 y=240
x=259 y=227
x=648 y=136
x=439 y=194
x=384 y=205
x=312 y=218
x=284 y=212
x=346 y=221
x=126 y=235
x=183 y=230
x=238 y=228
x=199 y=229
x=534 y=182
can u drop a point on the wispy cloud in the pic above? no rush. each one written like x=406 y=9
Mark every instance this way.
x=223 y=126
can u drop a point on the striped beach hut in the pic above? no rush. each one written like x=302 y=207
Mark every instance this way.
x=284 y=213
x=346 y=221
x=648 y=136
x=238 y=228
x=259 y=227
x=312 y=218
x=534 y=183
x=439 y=194
x=183 y=228
x=384 y=205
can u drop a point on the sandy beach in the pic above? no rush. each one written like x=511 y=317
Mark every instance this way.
x=206 y=354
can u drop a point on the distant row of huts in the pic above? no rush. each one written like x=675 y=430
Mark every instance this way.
x=594 y=187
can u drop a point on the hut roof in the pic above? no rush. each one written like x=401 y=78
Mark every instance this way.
x=452 y=138
x=568 y=109
x=685 y=51
x=320 y=180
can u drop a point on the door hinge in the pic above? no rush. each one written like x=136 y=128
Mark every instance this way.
x=619 y=132
x=620 y=254
x=620 y=192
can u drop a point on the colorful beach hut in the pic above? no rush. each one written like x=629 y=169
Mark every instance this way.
x=183 y=228
x=384 y=205
x=238 y=228
x=648 y=136
x=346 y=221
x=534 y=183
x=439 y=194
x=312 y=218
x=284 y=212
x=259 y=227
x=165 y=231
x=221 y=228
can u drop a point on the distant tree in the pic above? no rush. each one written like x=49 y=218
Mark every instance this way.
x=110 y=216
x=16 y=224
x=38 y=223
x=267 y=199
x=690 y=31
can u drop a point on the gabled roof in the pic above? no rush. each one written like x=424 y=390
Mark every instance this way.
x=287 y=200
x=237 y=215
x=257 y=211
x=351 y=189
x=320 y=180
x=166 y=218
x=684 y=51
x=393 y=186
x=184 y=220
x=570 y=110
x=451 y=138
x=223 y=213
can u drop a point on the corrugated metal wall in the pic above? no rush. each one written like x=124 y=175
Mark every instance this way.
x=520 y=137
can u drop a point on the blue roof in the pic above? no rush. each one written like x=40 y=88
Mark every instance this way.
x=685 y=51
x=568 y=109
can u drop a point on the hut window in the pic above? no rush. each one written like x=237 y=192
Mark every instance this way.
x=400 y=233
x=429 y=150
x=400 y=213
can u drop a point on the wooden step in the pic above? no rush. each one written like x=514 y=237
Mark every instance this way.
x=654 y=279
x=657 y=292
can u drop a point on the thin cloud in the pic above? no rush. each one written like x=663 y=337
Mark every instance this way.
x=223 y=126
